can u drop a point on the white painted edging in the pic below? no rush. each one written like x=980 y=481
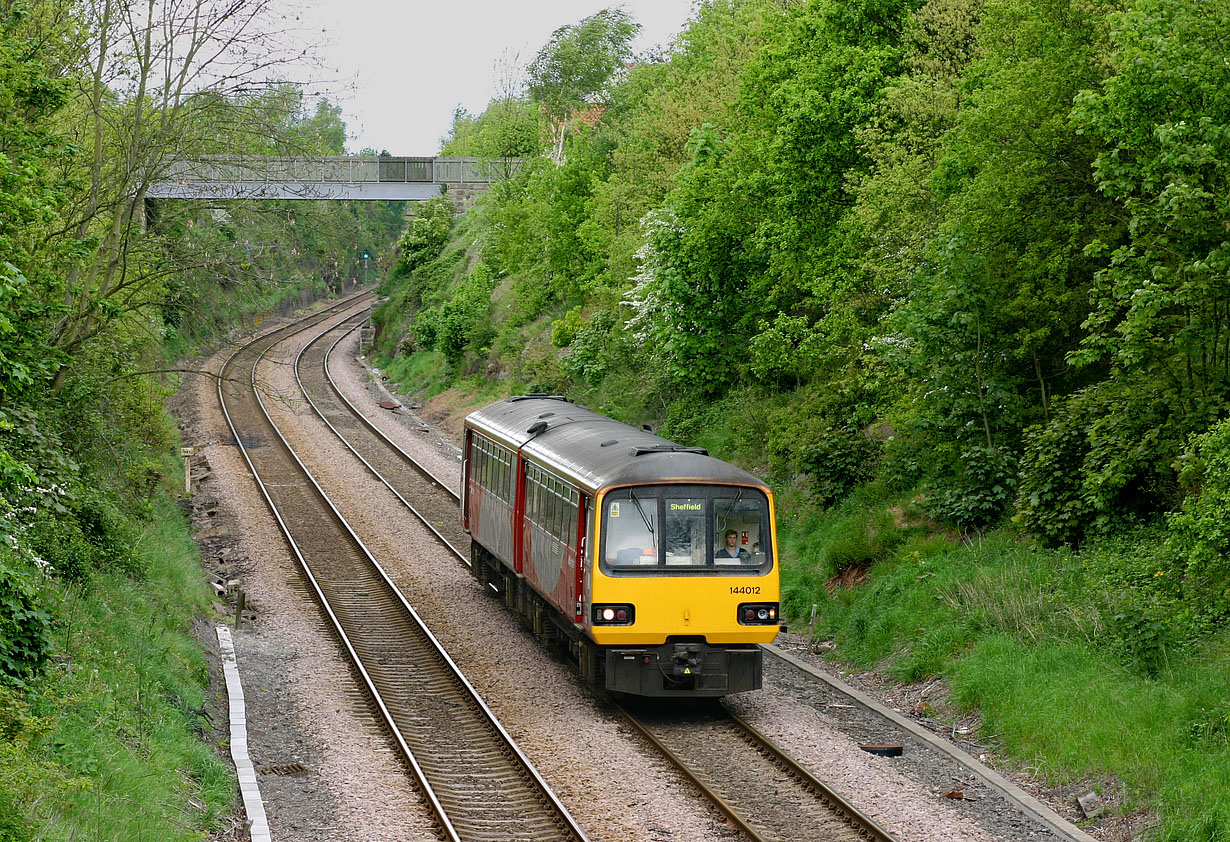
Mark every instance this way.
x=1040 y=812
x=252 y=804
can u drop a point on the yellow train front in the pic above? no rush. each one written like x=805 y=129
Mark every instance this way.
x=654 y=565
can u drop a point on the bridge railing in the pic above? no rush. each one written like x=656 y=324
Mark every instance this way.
x=330 y=170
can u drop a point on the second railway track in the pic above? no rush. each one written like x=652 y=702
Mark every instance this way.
x=760 y=787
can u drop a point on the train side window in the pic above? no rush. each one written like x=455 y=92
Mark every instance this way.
x=548 y=505
x=548 y=510
x=557 y=514
x=571 y=522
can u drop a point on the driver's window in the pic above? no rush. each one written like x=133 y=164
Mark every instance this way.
x=740 y=537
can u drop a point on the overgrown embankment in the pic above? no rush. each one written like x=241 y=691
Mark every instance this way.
x=102 y=684
x=951 y=275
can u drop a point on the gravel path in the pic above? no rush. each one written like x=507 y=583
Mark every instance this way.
x=351 y=787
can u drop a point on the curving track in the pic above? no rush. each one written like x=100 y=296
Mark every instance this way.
x=478 y=783
x=740 y=770
x=434 y=500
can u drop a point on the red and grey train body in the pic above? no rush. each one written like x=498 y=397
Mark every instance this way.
x=654 y=564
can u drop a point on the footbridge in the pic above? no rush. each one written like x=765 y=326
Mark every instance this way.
x=336 y=177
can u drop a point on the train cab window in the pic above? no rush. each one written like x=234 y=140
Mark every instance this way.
x=695 y=529
x=631 y=532
x=740 y=532
x=685 y=531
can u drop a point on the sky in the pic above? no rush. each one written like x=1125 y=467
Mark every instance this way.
x=410 y=63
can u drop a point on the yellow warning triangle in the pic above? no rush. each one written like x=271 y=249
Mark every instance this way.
x=687 y=670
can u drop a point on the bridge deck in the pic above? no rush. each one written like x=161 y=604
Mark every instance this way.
x=340 y=177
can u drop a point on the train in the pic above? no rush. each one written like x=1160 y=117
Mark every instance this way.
x=652 y=565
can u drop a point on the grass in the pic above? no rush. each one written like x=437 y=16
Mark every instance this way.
x=1073 y=712
x=424 y=373
x=1084 y=666
x=109 y=747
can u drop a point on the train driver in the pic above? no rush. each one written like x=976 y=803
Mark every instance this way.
x=732 y=548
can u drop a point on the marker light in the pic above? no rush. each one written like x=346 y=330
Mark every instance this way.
x=613 y=615
x=757 y=613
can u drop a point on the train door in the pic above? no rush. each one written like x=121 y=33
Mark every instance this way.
x=584 y=510
x=518 y=513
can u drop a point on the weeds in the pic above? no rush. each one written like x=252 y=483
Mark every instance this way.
x=108 y=747
x=1083 y=665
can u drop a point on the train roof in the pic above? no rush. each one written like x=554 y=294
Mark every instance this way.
x=596 y=451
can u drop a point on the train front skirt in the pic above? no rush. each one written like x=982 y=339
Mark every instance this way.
x=683 y=667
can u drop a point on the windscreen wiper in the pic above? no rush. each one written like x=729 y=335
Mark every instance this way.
x=731 y=510
x=644 y=517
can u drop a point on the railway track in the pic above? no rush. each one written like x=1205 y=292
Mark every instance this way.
x=743 y=773
x=478 y=783
x=434 y=500
x=768 y=795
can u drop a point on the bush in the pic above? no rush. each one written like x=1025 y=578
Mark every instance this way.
x=837 y=460
x=25 y=627
x=91 y=536
x=1201 y=531
x=1103 y=460
x=13 y=826
x=1051 y=503
x=980 y=493
x=589 y=360
x=426 y=235
x=109 y=533
x=862 y=538
x=459 y=324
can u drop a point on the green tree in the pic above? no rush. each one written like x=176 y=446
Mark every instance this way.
x=1162 y=304
x=31 y=200
x=651 y=114
x=426 y=234
x=571 y=71
x=1000 y=278
x=507 y=129
x=692 y=301
x=1156 y=338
